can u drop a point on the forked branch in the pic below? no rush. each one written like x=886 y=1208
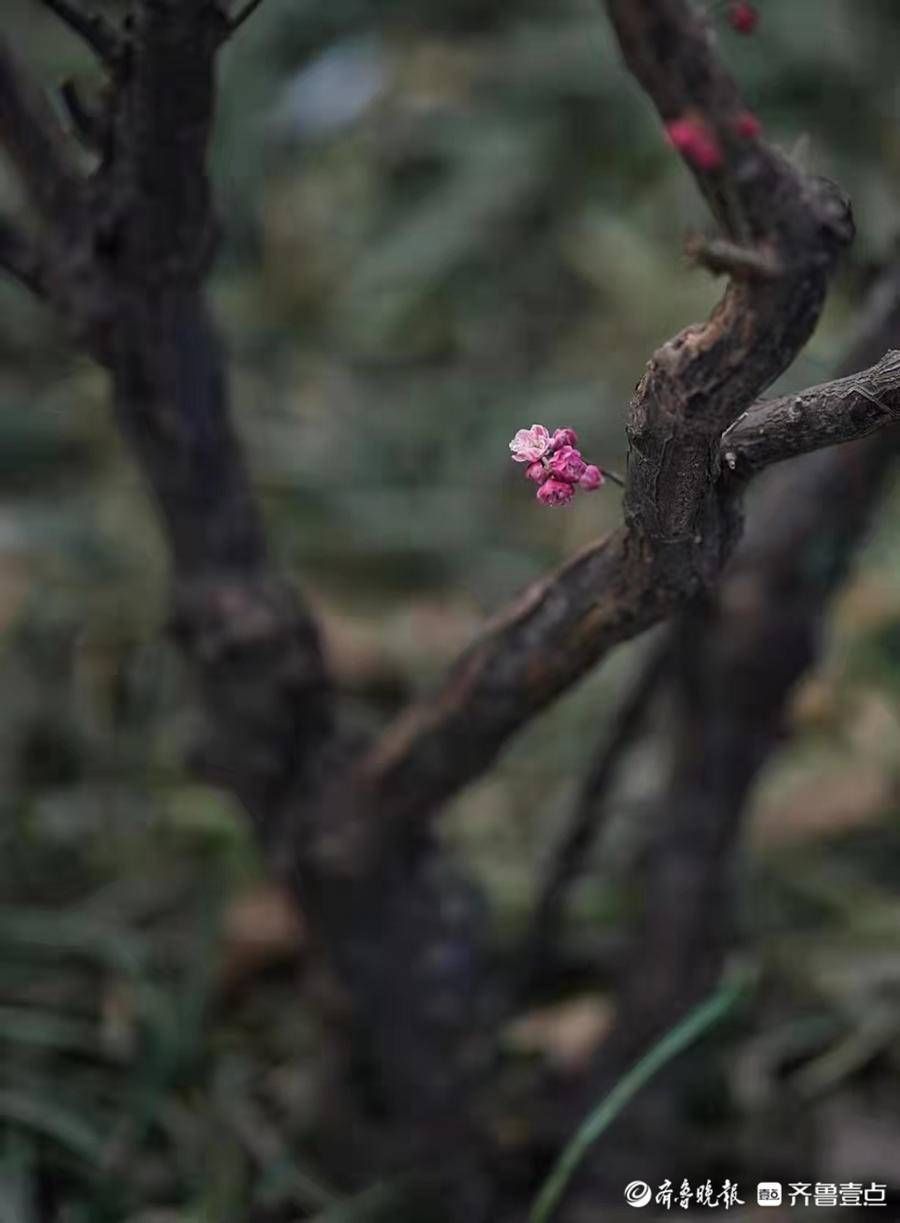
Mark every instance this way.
x=680 y=524
x=848 y=408
x=93 y=28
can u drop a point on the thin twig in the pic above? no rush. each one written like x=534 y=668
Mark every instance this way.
x=35 y=142
x=20 y=258
x=719 y=255
x=92 y=27
x=246 y=12
x=85 y=122
x=586 y=819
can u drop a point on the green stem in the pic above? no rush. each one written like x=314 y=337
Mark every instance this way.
x=677 y=1039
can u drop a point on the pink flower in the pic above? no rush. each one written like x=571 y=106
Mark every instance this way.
x=555 y=464
x=743 y=17
x=563 y=437
x=567 y=464
x=529 y=445
x=537 y=472
x=591 y=478
x=747 y=126
x=555 y=492
x=696 y=141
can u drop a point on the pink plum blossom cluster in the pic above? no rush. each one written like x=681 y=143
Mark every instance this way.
x=555 y=463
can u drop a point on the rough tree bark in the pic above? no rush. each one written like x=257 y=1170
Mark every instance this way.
x=120 y=250
x=736 y=658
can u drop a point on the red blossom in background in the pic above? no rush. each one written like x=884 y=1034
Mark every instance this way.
x=743 y=17
x=696 y=141
x=747 y=126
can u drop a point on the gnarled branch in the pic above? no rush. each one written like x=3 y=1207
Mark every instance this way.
x=739 y=656
x=680 y=525
x=840 y=411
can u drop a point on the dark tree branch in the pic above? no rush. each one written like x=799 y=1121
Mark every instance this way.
x=91 y=27
x=582 y=829
x=679 y=527
x=162 y=122
x=128 y=251
x=742 y=262
x=243 y=15
x=405 y=939
x=738 y=658
x=840 y=411
x=36 y=144
x=89 y=126
x=20 y=258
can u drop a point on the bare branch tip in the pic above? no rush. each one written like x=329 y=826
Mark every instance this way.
x=722 y=257
x=94 y=29
x=86 y=123
x=242 y=15
x=20 y=258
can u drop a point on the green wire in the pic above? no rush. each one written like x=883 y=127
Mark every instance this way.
x=695 y=1023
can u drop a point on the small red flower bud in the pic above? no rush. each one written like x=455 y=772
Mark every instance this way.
x=747 y=126
x=592 y=478
x=563 y=437
x=696 y=141
x=537 y=472
x=555 y=492
x=567 y=464
x=743 y=17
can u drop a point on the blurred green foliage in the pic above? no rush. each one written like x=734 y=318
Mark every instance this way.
x=442 y=220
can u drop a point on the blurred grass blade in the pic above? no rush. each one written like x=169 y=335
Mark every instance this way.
x=46 y=1030
x=370 y=1206
x=47 y=1118
x=58 y=933
x=17 y=1185
x=675 y=1041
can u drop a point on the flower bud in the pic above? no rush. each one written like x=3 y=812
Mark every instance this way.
x=747 y=126
x=555 y=492
x=696 y=141
x=563 y=437
x=567 y=464
x=743 y=17
x=591 y=478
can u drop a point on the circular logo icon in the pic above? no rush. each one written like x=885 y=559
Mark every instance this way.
x=638 y=1193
